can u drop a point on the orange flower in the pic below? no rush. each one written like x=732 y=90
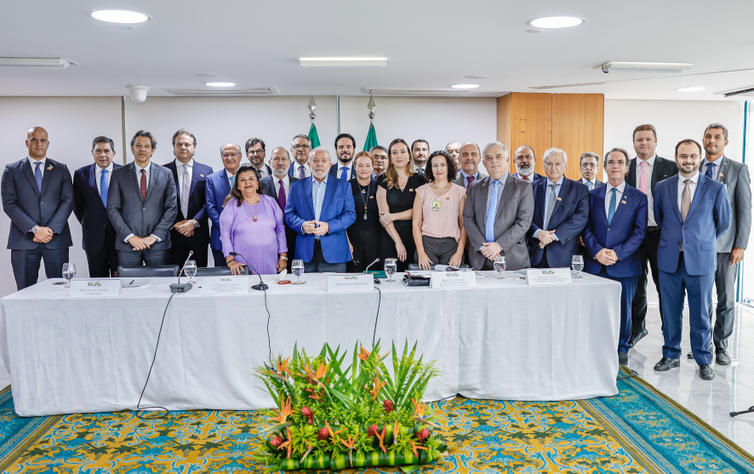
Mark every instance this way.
x=381 y=437
x=283 y=367
x=396 y=431
x=285 y=410
x=376 y=390
x=287 y=444
x=415 y=448
x=364 y=354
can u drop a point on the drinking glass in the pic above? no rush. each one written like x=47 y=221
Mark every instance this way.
x=190 y=271
x=499 y=265
x=297 y=267
x=69 y=271
x=577 y=263
x=391 y=266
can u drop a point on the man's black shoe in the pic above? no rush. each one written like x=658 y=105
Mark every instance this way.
x=706 y=372
x=638 y=337
x=667 y=364
x=721 y=356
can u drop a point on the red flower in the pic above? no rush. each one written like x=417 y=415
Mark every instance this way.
x=422 y=435
x=276 y=441
x=307 y=412
x=323 y=434
x=388 y=405
x=372 y=431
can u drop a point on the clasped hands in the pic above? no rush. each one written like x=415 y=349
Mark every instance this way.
x=490 y=250
x=545 y=237
x=316 y=227
x=43 y=235
x=606 y=257
x=142 y=243
x=185 y=228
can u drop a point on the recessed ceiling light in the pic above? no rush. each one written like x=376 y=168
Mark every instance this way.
x=220 y=84
x=465 y=86
x=691 y=89
x=556 y=22
x=119 y=16
x=59 y=63
x=343 y=62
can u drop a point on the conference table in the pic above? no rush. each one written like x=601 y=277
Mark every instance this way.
x=502 y=339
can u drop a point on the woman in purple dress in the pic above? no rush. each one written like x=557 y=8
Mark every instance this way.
x=251 y=224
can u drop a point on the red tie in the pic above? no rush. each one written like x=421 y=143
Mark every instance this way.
x=525 y=178
x=143 y=185
x=469 y=180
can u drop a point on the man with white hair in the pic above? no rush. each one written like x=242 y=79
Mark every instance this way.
x=561 y=210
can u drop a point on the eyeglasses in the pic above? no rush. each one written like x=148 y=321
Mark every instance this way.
x=553 y=165
x=228 y=155
x=588 y=165
x=685 y=157
x=301 y=147
x=255 y=152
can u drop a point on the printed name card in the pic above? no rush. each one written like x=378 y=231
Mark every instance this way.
x=341 y=283
x=225 y=285
x=548 y=276
x=453 y=280
x=95 y=288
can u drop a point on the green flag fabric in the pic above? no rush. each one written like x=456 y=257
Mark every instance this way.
x=371 y=140
x=313 y=136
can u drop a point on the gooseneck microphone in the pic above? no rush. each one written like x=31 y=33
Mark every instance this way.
x=182 y=287
x=366 y=270
x=261 y=286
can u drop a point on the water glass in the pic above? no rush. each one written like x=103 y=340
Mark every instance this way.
x=499 y=265
x=577 y=263
x=297 y=267
x=69 y=272
x=190 y=271
x=391 y=266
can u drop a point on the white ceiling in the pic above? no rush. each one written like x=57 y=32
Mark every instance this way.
x=429 y=45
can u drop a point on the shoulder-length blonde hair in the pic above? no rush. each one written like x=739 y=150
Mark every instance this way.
x=391 y=175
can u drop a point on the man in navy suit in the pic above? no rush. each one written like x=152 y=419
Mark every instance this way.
x=524 y=159
x=142 y=206
x=278 y=186
x=38 y=197
x=589 y=164
x=615 y=230
x=218 y=188
x=190 y=230
x=300 y=148
x=320 y=209
x=561 y=209
x=692 y=211
x=345 y=147
x=91 y=185
x=256 y=152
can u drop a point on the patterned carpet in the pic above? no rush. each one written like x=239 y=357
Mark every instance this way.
x=637 y=431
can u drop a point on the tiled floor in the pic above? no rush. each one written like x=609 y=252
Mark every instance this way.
x=732 y=389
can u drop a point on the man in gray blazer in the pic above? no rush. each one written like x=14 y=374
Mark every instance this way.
x=470 y=156
x=732 y=243
x=142 y=206
x=498 y=213
x=37 y=195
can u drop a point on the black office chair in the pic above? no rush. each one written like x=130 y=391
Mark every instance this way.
x=414 y=267
x=218 y=271
x=141 y=271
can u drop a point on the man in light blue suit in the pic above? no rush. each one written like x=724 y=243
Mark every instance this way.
x=615 y=230
x=320 y=209
x=692 y=211
x=217 y=189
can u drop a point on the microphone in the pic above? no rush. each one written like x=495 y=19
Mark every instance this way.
x=261 y=285
x=366 y=270
x=185 y=287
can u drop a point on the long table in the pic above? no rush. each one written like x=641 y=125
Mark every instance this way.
x=500 y=340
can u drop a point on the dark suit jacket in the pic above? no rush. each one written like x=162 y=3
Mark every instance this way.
x=218 y=188
x=90 y=210
x=624 y=235
x=130 y=214
x=708 y=218
x=196 y=210
x=597 y=183
x=335 y=171
x=735 y=176
x=568 y=219
x=662 y=169
x=536 y=177
x=461 y=181
x=27 y=206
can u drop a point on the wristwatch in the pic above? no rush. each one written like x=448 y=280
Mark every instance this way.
x=35 y=229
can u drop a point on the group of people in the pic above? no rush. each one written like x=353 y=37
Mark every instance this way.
x=688 y=218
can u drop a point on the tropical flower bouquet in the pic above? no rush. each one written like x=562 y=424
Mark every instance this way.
x=337 y=417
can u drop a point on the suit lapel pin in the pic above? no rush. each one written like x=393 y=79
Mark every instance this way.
x=560 y=198
x=721 y=175
x=623 y=202
x=49 y=168
x=201 y=176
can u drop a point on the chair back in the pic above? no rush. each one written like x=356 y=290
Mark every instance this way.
x=143 y=271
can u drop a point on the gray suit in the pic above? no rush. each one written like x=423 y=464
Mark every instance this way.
x=462 y=182
x=512 y=220
x=129 y=214
x=735 y=177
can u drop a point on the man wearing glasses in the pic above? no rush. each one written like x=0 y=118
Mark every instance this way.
x=561 y=209
x=255 y=152
x=300 y=148
x=217 y=189
x=589 y=164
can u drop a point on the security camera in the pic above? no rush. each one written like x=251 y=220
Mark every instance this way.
x=605 y=68
x=138 y=93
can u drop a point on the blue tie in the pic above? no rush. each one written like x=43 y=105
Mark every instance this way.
x=344 y=173
x=103 y=187
x=489 y=227
x=38 y=175
x=710 y=171
x=611 y=210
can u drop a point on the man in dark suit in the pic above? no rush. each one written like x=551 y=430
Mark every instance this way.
x=218 y=186
x=278 y=186
x=38 y=197
x=498 y=213
x=190 y=230
x=731 y=245
x=525 y=159
x=692 y=212
x=420 y=153
x=470 y=156
x=345 y=147
x=320 y=209
x=561 y=209
x=256 y=152
x=142 y=206
x=91 y=185
x=644 y=172
x=615 y=230
x=300 y=148
x=589 y=164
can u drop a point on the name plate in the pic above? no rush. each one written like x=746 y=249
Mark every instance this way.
x=340 y=284
x=225 y=285
x=548 y=276
x=453 y=280
x=95 y=288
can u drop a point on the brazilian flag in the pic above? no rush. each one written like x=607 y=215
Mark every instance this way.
x=313 y=136
x=371 y=140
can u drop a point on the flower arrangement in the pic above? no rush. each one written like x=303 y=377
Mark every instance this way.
x=337 y=417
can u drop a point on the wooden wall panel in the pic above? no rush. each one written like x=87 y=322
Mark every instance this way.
x=577 y=127
x=531 y=124
x=504 y=115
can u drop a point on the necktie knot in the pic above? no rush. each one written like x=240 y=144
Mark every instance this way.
x=687 y=181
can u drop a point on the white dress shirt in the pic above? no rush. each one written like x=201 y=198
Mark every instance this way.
x=179 y=170
x=717 y=164
x=692 y=187
x=650 y=199
x=286 y=186
x=297 y=167
x=138 y=169
x=349 y=167
x=586 y=183
x=618 y=195
x=32 y=162
x=98 y=176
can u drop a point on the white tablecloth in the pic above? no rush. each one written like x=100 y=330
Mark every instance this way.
x=501 y=340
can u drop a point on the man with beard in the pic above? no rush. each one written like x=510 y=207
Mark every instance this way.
x=300 y=148
x=345 y=147
x=278 y=186
x=255 y=152
x=420 y=152
x=524 y=161
x=470 y=157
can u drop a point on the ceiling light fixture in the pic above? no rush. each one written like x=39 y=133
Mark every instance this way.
x=119 y=16
x=690 y=89
x=550 y=22
x=642 y=66
x=343 y=62
x=465 y=87
x=220 y=84
x=57 y=63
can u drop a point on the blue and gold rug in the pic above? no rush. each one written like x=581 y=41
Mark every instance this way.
x=639 y=430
